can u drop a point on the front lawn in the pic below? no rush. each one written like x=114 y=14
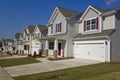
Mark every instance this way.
x=103 y=71
x=17 y=61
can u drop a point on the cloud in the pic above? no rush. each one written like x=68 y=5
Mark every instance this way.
x=108 y=2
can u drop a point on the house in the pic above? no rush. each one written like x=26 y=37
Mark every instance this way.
x=39 y=32
x=61 y=29
x=18 y=46
x=99 y=35
x=0 y=46
x=27 y=39
x=7 y=45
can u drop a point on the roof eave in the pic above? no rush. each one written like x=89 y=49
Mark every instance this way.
x=87 y=38
x=108 y=13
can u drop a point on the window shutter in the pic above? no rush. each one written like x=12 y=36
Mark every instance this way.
x=97 y=25
x=84 y=25
x=60 y=26
x=56 y=28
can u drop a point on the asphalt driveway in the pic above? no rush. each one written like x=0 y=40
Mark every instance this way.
x=46 y=66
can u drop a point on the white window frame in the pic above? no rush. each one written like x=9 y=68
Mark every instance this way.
x=90 y=24
x=51 y=29
x=51 y=45
x=58 y=27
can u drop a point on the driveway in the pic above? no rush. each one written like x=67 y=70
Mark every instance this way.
x=46 y=66
x=4 y=75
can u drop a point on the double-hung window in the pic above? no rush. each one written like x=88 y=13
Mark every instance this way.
x=51 y=45
x=51 y=29
x=91 y=24
x=58 y=27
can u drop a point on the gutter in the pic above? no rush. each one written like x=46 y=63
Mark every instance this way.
x=91 y=38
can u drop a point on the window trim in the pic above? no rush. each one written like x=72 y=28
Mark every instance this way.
x=51 y=45
x=85 y=26
x=59 y=27
x=51 y=29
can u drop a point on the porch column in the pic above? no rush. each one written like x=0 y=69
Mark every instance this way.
x=40 y=45
x=46 y=47
x=55 y=48
x=40 y=49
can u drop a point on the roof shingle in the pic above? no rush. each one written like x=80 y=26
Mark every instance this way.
x=67 y=13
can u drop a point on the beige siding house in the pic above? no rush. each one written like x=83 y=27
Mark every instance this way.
x=27 y=39
x=18 y=46
x=37 y=44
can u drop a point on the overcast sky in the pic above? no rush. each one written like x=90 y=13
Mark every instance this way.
x=15 y=15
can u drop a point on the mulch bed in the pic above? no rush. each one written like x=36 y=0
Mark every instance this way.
x=37 y=56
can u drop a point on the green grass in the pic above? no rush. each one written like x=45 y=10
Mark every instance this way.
x=103 y=71
x=17 y=61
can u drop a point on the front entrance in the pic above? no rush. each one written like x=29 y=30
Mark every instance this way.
x=59 y=49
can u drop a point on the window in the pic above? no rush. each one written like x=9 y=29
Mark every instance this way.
x=51 y=29
x=26 y=47
x=28 y=37
x=59 y=27
x=37 y=35
x=88 y=25
x=91 y=24
x=51 y=45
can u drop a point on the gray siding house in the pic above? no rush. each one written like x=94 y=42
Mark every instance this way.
x=99 y=35
x=61 y=29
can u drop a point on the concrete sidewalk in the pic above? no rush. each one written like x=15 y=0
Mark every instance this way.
x=46 y=66
x=4 y=75
x=13 y=56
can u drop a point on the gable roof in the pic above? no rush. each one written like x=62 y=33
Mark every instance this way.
x=42 y=27
x=99 y=9
x=67 y=13
x=111 y=11
x=17 y=35
x=31 y=28
x=103 y=33
x=96 y=9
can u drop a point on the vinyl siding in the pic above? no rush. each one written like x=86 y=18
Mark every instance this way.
x=115 y=38
x=72 y=30
x=59 y=18
x=109 y=22
x=91 y=14
x=80 y=27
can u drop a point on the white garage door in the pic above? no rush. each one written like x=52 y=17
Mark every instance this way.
x=90 y=50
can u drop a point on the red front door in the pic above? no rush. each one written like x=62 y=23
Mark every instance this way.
x=59 y=49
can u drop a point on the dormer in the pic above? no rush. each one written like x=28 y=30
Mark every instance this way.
x=39 y=31
x=58 y=21
x=27 y=33
x=91 y=20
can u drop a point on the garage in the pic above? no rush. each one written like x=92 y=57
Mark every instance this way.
x=91 y=50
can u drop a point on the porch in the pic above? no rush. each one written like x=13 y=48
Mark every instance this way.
x=55 y=48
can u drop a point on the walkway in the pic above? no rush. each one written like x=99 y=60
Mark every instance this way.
x=46 y=66
x=13 y=56
x=4 y=75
